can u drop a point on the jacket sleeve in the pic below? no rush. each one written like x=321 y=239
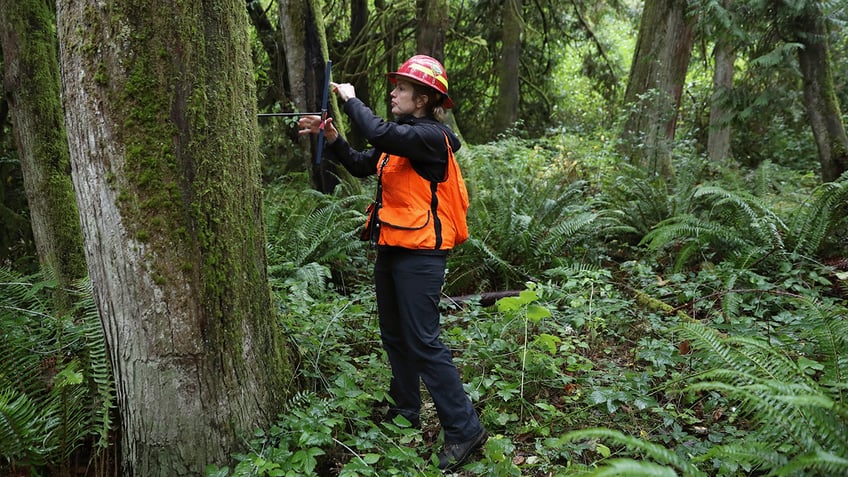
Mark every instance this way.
x=420 y=140
x=358 y=163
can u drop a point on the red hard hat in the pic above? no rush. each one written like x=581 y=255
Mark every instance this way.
x=427 y=71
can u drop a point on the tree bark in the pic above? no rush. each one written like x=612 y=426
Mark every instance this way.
x=431 y=21
x=431 y=24
x=819 y=94
x=305 y=45
x=269 y=37
x=391 y=41
x=358 y=59
x=718 y=141
x=161 y=114
x=32 y=87
x=506 y=105
x=657 y=76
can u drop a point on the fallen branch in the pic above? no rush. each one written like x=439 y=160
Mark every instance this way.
x=483 y=299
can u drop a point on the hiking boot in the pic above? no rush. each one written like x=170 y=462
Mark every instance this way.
x=453 y=455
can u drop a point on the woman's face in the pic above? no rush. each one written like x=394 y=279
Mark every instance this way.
x=404 y=101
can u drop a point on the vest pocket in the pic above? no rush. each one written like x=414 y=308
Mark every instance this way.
x=404 y=218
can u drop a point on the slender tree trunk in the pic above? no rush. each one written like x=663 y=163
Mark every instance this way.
x=32 y=87
x=358 y=64
x=390 y=42
x=161 y=112
x=718 y=141
x=305 y=45
x=271 y=42
x=657 y=76
x=819 y=94
x=431 y=24
x=506 y=105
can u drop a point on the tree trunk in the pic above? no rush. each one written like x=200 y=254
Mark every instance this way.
x=305 y=46
x=718 y=141
x=271 y=42
x=431 y=24
x=357 y=60
x=32 y=87
x=819 y=94
x=161 y=113
x=391 y=41
x=657 y=76
x=506 y=105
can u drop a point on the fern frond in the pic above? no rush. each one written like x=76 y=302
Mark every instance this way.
x=773 y=391
x=824 y=463
x=551 y=241
x=21 y=429
x=632 y=468
x=656 y=452
x=753 y=454
x=60 y=365
x=812 y=221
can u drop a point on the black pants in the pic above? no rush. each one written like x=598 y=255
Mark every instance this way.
x=408 y=288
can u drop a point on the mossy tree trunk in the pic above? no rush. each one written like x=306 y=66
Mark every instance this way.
x=655 y=85
x=32 y=87
x=508 y=66
x=820 y=99
x=160 y=109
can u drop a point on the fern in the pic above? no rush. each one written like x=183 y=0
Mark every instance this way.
x=667 y=459
x=56 y=389
x=721 y=225
x=523 y=222
x=813 y=221
x=783 y=403
x=306 y=228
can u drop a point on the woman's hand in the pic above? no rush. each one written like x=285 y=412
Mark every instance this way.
x=312 y=124
x=344 y=90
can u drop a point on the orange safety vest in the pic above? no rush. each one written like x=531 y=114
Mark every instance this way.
x=415 y=213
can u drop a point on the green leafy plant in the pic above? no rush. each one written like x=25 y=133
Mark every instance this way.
x=56 y=391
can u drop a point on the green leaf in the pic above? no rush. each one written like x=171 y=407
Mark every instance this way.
x=509 y=303
x=536 y=313
x=549 y=342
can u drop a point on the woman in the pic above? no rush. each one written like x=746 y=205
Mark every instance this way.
x=417 y=217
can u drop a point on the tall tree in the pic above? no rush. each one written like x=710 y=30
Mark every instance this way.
x=724 y=57
x=823 y=108
x=657 y=76
x=508 y=66
x=271 y=41
x=160 y=109
x=431 y=25
x=305 y=44
x=357 y=56
x=32 y=88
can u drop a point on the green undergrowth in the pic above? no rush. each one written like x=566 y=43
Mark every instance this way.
x=695 y=327
x=690 y=327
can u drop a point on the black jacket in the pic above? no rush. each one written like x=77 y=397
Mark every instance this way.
x=421 y=140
